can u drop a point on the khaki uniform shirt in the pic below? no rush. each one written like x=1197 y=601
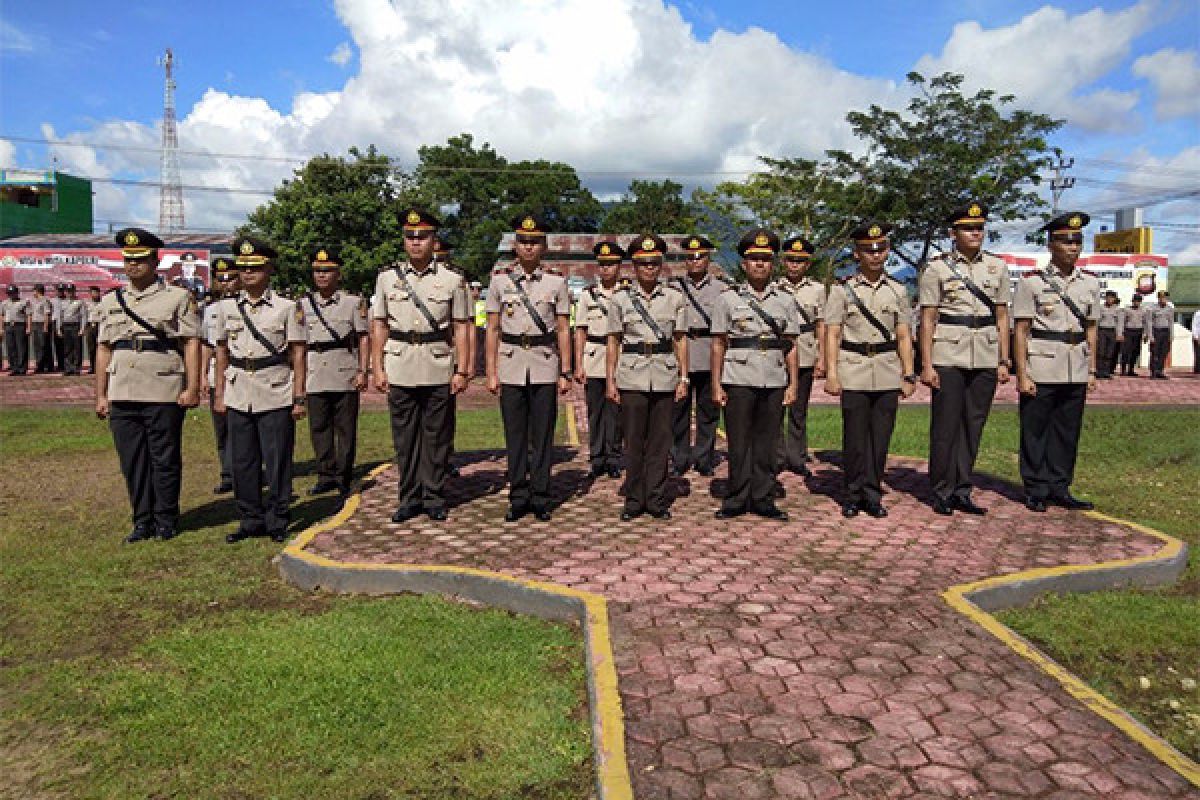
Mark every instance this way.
x=1050 y=361
x=74 y=312
x=1133 y=320
x=56 y=308
x=762 y=368
x=445 y=296
x=93 y=311
x=707 y=294
x=281 y=322
x=647 y=372
x=591 y=313
x=333 y=370
x=15 y=310
x=39 y=310
x=208 y=321
x=888 y=302
x=1108 y=316
x=939 y=287
x=147 y=376
x=550 y=298
x=809 y=296
x=1160 y=316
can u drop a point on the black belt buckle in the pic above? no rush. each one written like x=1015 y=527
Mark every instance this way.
x=413 y=338
x=137 y=344
x=647 y=348
x=525 y=343
x=869 y=349
x=249 y=368
x=764 y=341
x=1074 y=338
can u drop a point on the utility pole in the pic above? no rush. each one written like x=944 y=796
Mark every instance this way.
x=170 y=198
x=1060 y=182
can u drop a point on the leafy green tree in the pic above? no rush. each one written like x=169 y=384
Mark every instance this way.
x=655 y=206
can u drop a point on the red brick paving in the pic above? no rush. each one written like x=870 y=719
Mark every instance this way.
x=809 y=659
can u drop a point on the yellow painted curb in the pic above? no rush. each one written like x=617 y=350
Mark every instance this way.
x=958 y=599
x=608 y=720
x=572 y=425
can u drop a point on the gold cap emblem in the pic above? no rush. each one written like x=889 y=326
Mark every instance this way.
x=762 y=240
x=1075 y=221
x=131 y=238
x=974 y=210
x=413 y=218
x=693 y=244
x=798 y=247
x=322 y=255
x=875 y=232
x=647 y=243
x=605 y=250
x=247 y=248
x=528 y=224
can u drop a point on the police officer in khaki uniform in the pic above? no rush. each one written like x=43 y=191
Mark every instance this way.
x=754 y=374
x=1054 y=349
x=1132 y=333
x=591 y=339
x=646 y=358
x=868 y=339
x=964 y=296
x=39 y=314
x=338 y=354
x=260 y=379
x=70 y=329
x=17 y=326
x=91 y=328
x=1160 y=318
x=1106 y=336
x=528 y=352
x=418 y=339
x=809 y=298
x=147 y=374
x=702 y=292
x=226 y=284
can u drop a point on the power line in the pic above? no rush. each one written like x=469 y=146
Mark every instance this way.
x=1110 y=164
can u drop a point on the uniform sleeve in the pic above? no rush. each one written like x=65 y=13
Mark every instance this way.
x=361 y=312
x=720 y=316
x=835 y=306
x=106 y=333
x=822 y=302
x=562 y=300
x=188 y=317
x=1003 y=288
x=459 y=311
x=297 y=331
x=929 y=288
x=1023 y=301
x=904 y=315
x=681 y=314
x=379 y=307
x=1094 y=303
x=495 y=291
x=616 y=319
x=581 y=310
x=791 y=317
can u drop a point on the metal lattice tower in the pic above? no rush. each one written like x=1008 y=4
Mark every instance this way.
x=170 y=199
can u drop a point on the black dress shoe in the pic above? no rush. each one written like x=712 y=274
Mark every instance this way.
x=166 y=533
x=664 y=514
x=237 y=536
x=1071 y=502
x=627 y=515
x=541 y=514
x=801 y=470
x=437 y=514
x=323 y=487
x=514 y=513
x=614 y=472
x=1037 y=504
x=875 y=510
x=453 y=471
x=678 y=472
x=224 y=487
x=140 y=533
x=405 y=514
x=279 y=536
x=773 y=512
x=778 y=490
x=941 y=506
x=706 y=472
x=850 y=510
x=968 y=506
x=729 y=513
x=596 y=472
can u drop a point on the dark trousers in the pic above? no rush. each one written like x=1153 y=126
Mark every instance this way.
x=604 y=426
x=419 y=436
x=1160 y=348
x=793 y=444
x=1106 y=351
x=959 y=412
x=753 y=418
x=60 y=350
x=451 y=424
x=646 y=419
x=262 y=441
x=701 y=455
x=43 y=358
x=221 y=434
x=16 y=347
x=333 y=425
x=147 y=437
x=867 y=422
x=71 y=343
x=1131 y=350
x=529 y=413
x=91 y=334
x=1050 y=426
x=1196 y=355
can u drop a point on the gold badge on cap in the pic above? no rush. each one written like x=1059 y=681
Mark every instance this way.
x=762 y=240
x=798 y=247
x=974 y=210
x=605 y=250
x=131 y=239
x=322 y=255
x=528 y=224
x=413 y=218
x=875 y=232
x=647 y=243
x=247 y=248
x=694 y=244
x=1075 y=221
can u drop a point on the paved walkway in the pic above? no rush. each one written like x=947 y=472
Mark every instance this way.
x=813 y=658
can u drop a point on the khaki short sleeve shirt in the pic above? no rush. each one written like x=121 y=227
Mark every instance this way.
x=519 y=364
x=646 y=371
x=760 y=365
x=410 y=362
x=943 y=286
x=281 y=322
x=1036 y=300
x=15 y=311
x=332 y=358
x=591 y=313
x=147 y=376
x=888 y=302
x=809 y=296
x=705 y=294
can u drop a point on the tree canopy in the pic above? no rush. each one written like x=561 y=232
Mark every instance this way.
x=656 y=206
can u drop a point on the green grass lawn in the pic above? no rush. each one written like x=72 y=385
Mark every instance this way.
x=189 y=669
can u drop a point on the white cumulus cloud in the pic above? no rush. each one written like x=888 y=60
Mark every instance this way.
x=341 y=54
x=1175 y=75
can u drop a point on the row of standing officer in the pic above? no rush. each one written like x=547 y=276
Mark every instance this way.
x=49 y=329
x=1121 y=333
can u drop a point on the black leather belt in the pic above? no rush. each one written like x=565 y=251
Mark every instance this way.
x=1139 y=330
x=597 y=339
x=967 y=320
x=869 y=348
x=255 y=364
x=1067 y=337
x=766 y=341
x=696 y=333
x=647 y=348
x=1112 y=328
x=1164 y=330
x=145 y=346
x=808 y=327
x=417 y=337
x=528 y=340
x=324 y=347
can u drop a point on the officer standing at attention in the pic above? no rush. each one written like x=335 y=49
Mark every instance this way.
x=964 y=296
x=1106 y=336
x=91 y=330
x=809 y=297
x=338 y=352
x=147 y=375
x=702 y=292
x=226 y=284
x=868 y=326
x=418 y=339
x=1054 y=349
x=70 y=329
x=260 y=382
x=591 y=370
x=39 y=315
x=60 y=347
x=1160 y=317
x=17 y=326
x=754 y=375
x=1132 y=333
x=646 y=360
x=528 y=310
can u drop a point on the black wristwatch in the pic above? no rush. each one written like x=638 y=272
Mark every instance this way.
x=566 y=376
x=299 y=401
x=911 y=378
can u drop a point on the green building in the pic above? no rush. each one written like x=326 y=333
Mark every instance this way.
x=37 y=201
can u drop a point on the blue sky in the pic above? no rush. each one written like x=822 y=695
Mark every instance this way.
x=261 y=77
